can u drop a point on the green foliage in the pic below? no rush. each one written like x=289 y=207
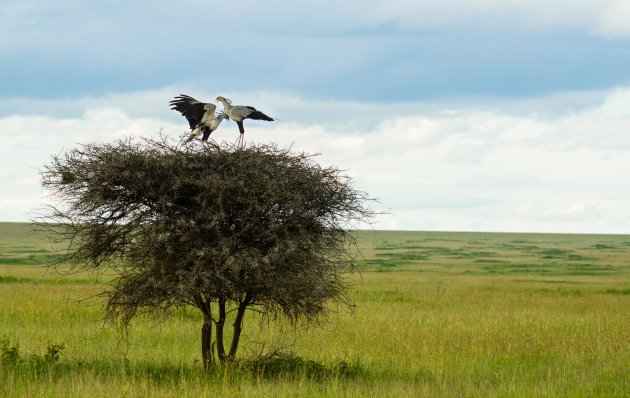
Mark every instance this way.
x=53 y=352
x=9 y=354
x=283 y=365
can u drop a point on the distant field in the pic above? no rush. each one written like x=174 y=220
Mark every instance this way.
x=538 y=255
x=437 y=314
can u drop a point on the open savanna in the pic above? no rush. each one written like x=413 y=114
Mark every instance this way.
x=437 y=314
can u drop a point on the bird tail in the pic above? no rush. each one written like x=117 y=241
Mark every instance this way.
x=258 y=115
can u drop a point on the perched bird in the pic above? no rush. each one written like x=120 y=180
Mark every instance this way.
x=200 y=115
x=238 y=113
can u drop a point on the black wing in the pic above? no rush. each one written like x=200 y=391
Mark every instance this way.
x=190 y=108
x=258 y=115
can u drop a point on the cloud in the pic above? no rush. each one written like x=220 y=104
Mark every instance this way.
x=614 y=21
x=99 y=20
x=387 y=51
x=606 y=17
x=489 y=165
x=95 y=125
x=601 y=17
x=470 y=168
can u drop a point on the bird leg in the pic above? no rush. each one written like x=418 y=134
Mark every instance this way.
x=240 y=142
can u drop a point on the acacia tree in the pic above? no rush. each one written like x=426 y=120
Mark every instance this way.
x=220 y=228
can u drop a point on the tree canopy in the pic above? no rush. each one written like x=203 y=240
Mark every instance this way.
x=215 y=227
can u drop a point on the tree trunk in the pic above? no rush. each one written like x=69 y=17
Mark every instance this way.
x=238 y=326
x=219 y=328
x=206 y=342
x=207 y=354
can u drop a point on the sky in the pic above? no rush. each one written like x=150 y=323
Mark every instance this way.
x=469 y=115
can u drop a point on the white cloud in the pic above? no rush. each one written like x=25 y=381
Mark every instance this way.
x=614 y=21
x=97 y=124
x=603 y=17
x=479 y=166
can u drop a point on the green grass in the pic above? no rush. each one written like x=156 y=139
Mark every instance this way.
x=437 y=314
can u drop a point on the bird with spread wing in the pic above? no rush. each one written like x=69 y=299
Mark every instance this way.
x=201 y=116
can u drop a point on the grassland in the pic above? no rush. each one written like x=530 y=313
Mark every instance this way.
x=437 y=314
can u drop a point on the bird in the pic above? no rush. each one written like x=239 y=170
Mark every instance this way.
x=238 y=113
x=201 y=116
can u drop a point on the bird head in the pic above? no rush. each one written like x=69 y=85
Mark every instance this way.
x=223 y=99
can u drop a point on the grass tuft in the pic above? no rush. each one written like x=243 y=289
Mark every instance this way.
x=291 y=366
